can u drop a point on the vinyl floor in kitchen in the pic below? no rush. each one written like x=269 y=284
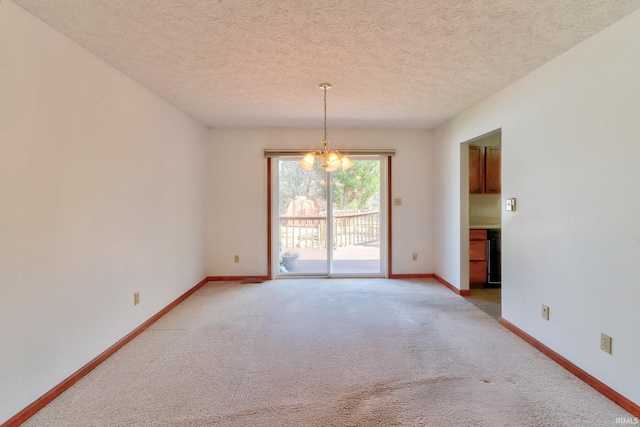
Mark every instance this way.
x=487 y=300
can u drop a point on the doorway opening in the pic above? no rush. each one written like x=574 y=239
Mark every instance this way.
x=329 y=224
x=482 y=221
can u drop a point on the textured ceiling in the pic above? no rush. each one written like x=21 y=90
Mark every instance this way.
x=392 y=63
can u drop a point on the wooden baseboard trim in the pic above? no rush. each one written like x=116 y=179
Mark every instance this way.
x=40 y=403
x=411 y=276
x=234 y=278
x=461 y=292
x=598 y=385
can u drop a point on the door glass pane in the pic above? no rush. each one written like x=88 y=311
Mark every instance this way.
x=356 y=218
x=302 y=212
x=343 y=241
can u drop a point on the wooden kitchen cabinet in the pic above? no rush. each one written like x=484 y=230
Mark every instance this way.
x=476 y=169
x=477 y=256
x=484 y=169
x=492 y=167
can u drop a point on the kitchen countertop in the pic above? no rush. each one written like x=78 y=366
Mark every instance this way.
x=482 y=222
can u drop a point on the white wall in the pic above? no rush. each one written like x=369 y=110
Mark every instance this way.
x=237 y=197
x=102 y=190
x=571 y=157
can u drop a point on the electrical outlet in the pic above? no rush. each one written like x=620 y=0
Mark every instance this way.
x=414 y=256
x=605 y=343
x=136 y=298
x=545 y=312
x=236 y=258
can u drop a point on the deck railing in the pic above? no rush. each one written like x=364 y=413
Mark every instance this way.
x=309 y=232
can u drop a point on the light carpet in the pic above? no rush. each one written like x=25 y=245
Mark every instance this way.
x=340 y=352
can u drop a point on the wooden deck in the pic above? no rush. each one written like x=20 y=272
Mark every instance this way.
x=356 y=259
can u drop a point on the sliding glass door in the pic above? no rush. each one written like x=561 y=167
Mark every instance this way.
x=329 y=223
x=302 y=232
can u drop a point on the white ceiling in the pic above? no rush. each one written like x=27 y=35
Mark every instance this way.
x=392 y=63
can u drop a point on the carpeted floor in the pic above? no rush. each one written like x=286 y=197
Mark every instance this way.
x=341 y=352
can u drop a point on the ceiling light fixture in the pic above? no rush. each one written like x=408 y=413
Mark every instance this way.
x=331 y=159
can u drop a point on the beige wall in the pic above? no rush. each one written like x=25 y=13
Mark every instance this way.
x=102 y=189
x=571 y=157
x=237 y=197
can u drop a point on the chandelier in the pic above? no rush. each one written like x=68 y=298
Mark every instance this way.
x=331 y=159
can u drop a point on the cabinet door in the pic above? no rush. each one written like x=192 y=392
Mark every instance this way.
x=492 y=183
x=478 y=234
x=477 y=272
x=478 y=250
x=476 y=166
x=478 y=256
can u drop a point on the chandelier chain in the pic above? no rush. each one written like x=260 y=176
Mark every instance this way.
x=325 y=113
x=331 y=159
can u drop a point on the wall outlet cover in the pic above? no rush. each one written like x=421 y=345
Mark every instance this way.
x=545 y=312
x=605 y=343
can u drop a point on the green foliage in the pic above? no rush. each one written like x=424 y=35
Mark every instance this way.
x=353 y=189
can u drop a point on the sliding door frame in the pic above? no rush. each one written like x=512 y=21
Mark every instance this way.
x=384 y=157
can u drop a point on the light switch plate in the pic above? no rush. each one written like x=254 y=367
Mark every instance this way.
x=511 y=204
